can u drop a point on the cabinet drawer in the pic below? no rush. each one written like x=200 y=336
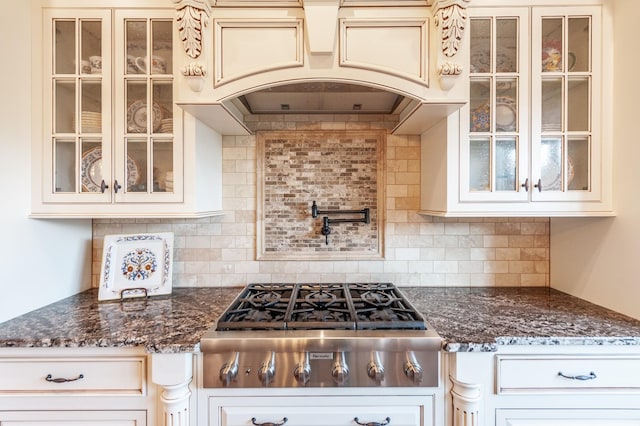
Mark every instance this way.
x=321 y=411
x=518 y=374
x=119 y=375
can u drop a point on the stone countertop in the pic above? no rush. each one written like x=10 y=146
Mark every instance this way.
x=480 y=319
x=468 y=319
x=161 y=324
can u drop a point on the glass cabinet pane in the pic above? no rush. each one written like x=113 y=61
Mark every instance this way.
x=90 y=47
x=480 y=39
x=91 y=107
x=64 y=47
x=162 y=34
x=551 y=164
x=163 y=103
x=91 y=169
x=64 y=179
x=579 y=44
x=480 y=104
x=552 y=104
x=136 y=46
x=506 y=164
x=578 y=105
x=552 y=44
x=136 y=168
x=136 y=113
x=64 y=114
x=162 y=173
x=506 y=45
x=506 y=108
x=578 y=160
x=479 y=164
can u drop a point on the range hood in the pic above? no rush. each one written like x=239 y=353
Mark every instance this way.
x=371 y=57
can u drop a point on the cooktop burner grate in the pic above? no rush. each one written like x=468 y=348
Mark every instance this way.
x=359 y=306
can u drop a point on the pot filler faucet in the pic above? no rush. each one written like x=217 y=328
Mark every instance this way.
x=326 y=222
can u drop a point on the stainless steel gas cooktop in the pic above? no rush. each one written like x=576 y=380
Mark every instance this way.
x=321 y=335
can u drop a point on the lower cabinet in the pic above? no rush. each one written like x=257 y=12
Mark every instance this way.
x=63 y=386
x=77 y=418
x=322 y=410
x=584 y=417
x=545 y=386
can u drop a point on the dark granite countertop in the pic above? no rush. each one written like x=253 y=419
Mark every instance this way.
x=468 y=319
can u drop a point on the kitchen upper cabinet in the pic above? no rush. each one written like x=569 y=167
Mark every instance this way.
x=533 y=139
x=111 y=141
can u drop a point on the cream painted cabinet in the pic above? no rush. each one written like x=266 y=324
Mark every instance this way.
x=533 y=139
x=322 y=410
x=546 y=386
x=58 y=387
x=111 y=139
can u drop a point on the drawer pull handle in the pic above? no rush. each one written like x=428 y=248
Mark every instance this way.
x=50 y=378
x=590 y=376
x=284 y=420
x=385 y=422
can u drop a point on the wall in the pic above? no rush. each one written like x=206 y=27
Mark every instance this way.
x=40 y=261
x=419 y=250
x=597 y=259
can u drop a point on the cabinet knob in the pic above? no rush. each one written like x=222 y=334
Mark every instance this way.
x=525 y=185
x=538 y=185
x=103 y=186
x=116 y=186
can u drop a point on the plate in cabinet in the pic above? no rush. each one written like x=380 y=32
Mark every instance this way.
x=138 y=115
x=136 y=265
x=91 y=171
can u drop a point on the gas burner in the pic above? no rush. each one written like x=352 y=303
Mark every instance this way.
x=377 y=298
x=264 y=300
x=321 y=299
x=384 y=315
x=259 y=315
x=321 y=316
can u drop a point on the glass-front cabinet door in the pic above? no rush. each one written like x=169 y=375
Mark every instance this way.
x=146 y=148
x=77 y=107
x=109 y=108
x=566 y=133
x=494 y=143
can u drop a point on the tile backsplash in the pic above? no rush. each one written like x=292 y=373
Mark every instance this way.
x=418 y=250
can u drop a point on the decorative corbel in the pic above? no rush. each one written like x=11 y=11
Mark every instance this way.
x=192 y=16
x=451 y=17
x=195 y=73
x=447 y=72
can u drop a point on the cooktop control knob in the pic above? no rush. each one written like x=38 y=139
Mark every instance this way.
x=267 y=370
x=302 y=372
x=229 y=370
x=412 y=368
x=375 y=370
x=340 y=369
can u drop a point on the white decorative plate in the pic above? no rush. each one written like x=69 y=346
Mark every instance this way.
x=137 y=116
x=506 y=114
x=136 y=265
x=91 y=171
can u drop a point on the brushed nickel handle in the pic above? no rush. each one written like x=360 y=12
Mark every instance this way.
x=383 y=423
x=280 y=423
x=525 y=185
x=50 y=378
x=538 y=185
x=103 y=186
x=589 y=376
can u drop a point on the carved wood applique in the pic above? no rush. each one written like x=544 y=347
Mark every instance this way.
x=192 y=16
x=451 y=17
